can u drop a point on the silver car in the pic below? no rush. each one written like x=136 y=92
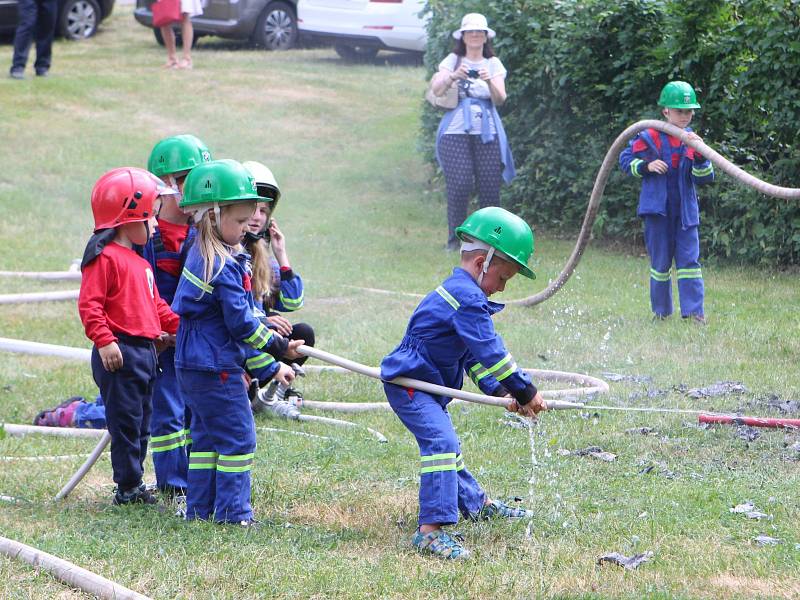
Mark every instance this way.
x=271 y=24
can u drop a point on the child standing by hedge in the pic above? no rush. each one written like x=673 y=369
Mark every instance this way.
x=452 y=331
x=123 y=315
x=216 y=326
x=669 y=171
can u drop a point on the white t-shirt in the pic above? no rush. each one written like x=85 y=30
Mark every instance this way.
x=473 y=87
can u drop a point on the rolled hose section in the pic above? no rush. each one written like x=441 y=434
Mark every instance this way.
x=595 y=385
x=610 y=163
x=67 y=572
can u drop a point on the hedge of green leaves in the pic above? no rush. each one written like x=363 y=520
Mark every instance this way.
x=580 y=71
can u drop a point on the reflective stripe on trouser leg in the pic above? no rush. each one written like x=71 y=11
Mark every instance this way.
x=222 y=422
x=168 y=427
x=660 y=244
x=691 y=289
x=445 y=485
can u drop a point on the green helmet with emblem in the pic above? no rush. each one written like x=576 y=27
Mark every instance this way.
x=678 y=94
x=266 y=184
x=509 y=235
x=217 y=182
x=177 y=154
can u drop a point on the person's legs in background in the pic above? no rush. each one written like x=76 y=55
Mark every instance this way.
x=45 y=32
x=27 y=11
x=488 y=171
x=187 y=33
x=169 y=43
x=459 y=174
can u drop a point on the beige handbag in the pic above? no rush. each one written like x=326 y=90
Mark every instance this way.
x=449 y=100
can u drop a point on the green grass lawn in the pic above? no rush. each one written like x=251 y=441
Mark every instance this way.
x=358 y=210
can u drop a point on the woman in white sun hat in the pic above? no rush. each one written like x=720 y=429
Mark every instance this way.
x=471 y=144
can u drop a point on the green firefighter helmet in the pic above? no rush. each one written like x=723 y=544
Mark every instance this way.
x=177 y=154
x=678 y=94
x=218 y=182
x=503 y=231
x=266 y=184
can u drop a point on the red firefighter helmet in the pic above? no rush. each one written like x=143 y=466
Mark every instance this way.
x=125 y=195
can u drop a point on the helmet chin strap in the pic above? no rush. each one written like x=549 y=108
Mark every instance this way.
x=467 y=245
x=485 y=269
x=217 y=219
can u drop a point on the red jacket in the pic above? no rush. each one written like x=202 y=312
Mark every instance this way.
x=118 y=295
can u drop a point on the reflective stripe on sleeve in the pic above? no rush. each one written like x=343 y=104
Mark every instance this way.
x=259 y=361
x=260 y=337
x=291 y=303
x=192 y=278
x=478 y=372
x=702 y=172
x=447 y=297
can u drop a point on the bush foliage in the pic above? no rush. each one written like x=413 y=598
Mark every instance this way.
x=580 y=71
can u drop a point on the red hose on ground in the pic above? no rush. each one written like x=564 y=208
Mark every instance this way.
x=752 y=421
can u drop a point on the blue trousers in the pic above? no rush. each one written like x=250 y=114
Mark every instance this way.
x=668 y=241
x=223 y=444
x=169 y=427
x=36 y=20
x=445 y=485
x=128 y=394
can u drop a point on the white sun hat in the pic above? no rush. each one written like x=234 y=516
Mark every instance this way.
x=474 y=22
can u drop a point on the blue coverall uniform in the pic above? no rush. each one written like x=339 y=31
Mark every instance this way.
x=169 y=424
x=668 y=206
x=450 y=332
x=217 y=337
x=289 y=298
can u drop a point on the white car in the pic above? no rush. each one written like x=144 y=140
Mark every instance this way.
x=358 y=29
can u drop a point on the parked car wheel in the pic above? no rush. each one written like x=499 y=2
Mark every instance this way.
x=178 y=38
x=276 y=28
x=79 y=19
x=356 y=53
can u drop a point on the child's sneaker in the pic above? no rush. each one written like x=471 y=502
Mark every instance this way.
x=138 y=495
x=250 y=524
x=495 y=509
x=440 y=544
x=60 y=416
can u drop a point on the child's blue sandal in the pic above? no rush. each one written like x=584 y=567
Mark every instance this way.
x=440 y=544
x=496 y=509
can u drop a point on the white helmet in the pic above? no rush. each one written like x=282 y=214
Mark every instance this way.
x=266 y=184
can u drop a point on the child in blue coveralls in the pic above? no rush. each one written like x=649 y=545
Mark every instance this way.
x=450 y=332
x=218 y=337
x=171 y=160
x=124 y=316
x=276 y=287
x=669 y=171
